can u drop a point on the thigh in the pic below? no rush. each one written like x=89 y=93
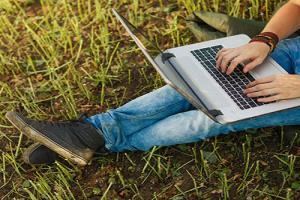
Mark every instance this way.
x=287 y=54
x=193 y=126
x=164 y=101
x=185 y=127
x=285 y=117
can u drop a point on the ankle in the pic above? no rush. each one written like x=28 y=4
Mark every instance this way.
x=91 y=136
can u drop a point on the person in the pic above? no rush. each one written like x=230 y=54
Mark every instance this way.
x=164 y=117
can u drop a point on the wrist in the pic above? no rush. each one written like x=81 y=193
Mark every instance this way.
x=262 y=45
x=269 y=38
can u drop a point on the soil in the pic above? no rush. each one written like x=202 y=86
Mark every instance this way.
x=264 y=144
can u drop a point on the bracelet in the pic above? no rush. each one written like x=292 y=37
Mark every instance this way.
x=262 y=41
x=269 y=38
x=271 y=35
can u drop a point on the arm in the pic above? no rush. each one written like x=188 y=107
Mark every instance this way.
x=283 y=23
x=273 y=88
x=286 y=20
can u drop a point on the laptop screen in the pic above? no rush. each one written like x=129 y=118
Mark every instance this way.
x=149 y=48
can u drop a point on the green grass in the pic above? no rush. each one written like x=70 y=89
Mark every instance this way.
x=61 y=58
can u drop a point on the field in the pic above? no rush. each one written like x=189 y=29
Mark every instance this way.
x=62 y=58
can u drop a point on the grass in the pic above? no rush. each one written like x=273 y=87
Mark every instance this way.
x=61 y=58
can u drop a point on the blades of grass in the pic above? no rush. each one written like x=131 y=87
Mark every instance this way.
x=129 y=159
x=106 y=191
x=148 y=159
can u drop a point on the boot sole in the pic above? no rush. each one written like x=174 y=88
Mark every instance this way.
x=40 y=138
x=28 y=151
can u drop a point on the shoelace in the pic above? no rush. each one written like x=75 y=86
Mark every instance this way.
x=65 y=123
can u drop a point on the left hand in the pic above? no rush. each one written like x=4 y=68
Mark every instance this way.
x=274 y=88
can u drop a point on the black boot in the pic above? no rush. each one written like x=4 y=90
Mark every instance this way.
x=37 y=154
x=73 y=140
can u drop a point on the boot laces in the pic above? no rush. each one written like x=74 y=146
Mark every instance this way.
x=66 y=123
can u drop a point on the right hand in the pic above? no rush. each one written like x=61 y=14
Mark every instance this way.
x=251 y=54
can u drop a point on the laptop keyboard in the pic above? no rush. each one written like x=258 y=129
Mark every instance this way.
x=233 y=84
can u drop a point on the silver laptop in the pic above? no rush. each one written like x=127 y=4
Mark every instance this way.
x=191 y=70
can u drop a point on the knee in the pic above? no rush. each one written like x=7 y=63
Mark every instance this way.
x=168 y=89
x=168 y=92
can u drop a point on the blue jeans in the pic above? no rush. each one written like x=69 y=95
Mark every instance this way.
x=164 y=117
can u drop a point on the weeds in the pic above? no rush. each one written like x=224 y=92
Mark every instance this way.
x=61 y=58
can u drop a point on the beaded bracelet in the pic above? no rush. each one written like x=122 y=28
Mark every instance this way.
x=271 y=35
x=269 y=38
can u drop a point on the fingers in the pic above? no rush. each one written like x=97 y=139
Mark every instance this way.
x=254 y=52
x=224 y=58
x=263 y=93
x=228 y=59
x=265 y=88
x=219 y=57
x=260 y=81
x=234 y=63
x=251 y=65
x=258 y=88
x=222 y=50
x=269 y=99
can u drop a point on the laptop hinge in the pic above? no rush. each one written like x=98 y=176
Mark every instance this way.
x=166 y=56
x=215 y=113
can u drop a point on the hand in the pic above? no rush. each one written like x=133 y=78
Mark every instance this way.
x=274 y=88
x=252 y=53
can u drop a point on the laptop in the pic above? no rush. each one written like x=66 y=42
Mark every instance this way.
x=191 y=70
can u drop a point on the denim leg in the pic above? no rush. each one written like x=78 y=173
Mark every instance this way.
x=287 y=55
x=193 y=126
x=118 y=124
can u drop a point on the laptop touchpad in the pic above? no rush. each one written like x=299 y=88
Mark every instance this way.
x=267 y=68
